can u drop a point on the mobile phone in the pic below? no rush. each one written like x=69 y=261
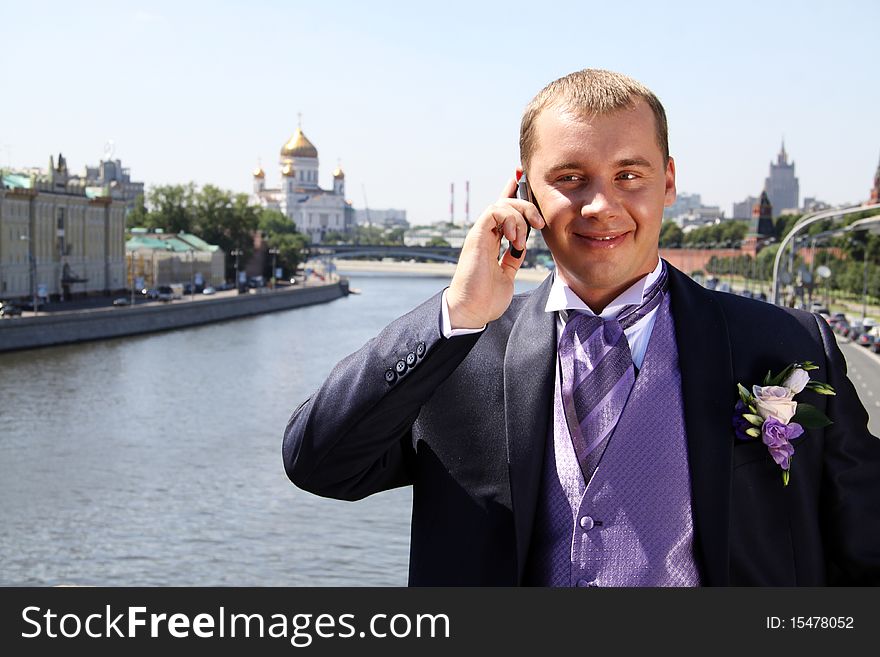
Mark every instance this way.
x=524 y=192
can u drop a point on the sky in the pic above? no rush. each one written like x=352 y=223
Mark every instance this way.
x=409 y=97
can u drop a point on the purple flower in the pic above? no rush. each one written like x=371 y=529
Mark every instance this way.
x=777 y=437
x=740 y=424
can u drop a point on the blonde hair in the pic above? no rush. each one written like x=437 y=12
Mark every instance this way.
x=589 y=92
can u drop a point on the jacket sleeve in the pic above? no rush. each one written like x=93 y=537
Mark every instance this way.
x=851 y=486
x=353 y=437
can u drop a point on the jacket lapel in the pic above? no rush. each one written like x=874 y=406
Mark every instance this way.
x=709 y=393
x=529 y=363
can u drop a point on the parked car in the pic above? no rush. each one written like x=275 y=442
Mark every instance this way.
x=876 y=347
x=9 y=309
x=836 y=318
x=209 y=290
x=165 y=293
x=866 y=339
x=855 y=330
x=29 y=305
x=150 y=293
x=121 y=301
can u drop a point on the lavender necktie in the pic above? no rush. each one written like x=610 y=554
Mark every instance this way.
x=598 y=374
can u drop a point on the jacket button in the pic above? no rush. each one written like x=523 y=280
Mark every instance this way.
x=390 y=376
x=400 y=366
x=420 y=349
x=410 y=359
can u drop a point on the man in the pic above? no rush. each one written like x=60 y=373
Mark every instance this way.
x=581 y=434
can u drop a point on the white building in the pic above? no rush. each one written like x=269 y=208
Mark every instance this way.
x=315 y=211
x=59 y=236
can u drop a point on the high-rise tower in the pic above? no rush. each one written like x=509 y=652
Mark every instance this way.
x=782 y=185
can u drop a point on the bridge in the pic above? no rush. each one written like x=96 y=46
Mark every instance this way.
x=435 y=253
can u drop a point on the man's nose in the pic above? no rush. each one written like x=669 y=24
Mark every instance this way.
x=601 y=202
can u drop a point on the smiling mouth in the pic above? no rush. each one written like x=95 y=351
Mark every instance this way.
x=602 y=240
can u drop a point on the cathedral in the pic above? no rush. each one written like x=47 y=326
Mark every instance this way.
x=314 y=210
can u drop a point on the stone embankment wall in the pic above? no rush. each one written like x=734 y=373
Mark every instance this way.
x=97 y=324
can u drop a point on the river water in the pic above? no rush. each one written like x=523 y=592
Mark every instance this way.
x=156 y=460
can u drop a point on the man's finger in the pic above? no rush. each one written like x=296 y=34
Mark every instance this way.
x=509 y=264
x=529 y=210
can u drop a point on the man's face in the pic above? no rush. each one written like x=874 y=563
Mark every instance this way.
x=601 y=184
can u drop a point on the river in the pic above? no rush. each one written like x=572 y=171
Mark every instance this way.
x=156 y=460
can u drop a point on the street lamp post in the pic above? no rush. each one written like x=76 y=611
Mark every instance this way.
x=32 y=262
x=865 y=285
x=274 y=253
x=236 y=253
x=191 y=274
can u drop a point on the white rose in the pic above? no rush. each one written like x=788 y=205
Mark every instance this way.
x=782 y=410
x=797 y=380
x=775 y=401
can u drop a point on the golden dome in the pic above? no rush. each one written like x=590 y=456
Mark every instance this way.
x=299 y=146
x=259 y=173
x=337 y=173
x=288 y=171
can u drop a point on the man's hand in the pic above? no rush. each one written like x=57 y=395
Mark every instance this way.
x=482 y=286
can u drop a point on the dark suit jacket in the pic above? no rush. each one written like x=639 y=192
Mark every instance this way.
x=466 y=421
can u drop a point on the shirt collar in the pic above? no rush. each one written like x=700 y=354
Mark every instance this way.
x=563 y=298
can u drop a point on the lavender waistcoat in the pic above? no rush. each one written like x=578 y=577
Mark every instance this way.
x=632 y=525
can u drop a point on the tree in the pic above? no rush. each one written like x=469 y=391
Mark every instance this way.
x=671 y=235
x=171 y=208
x=227 y=221
x=281 y=234
x=784 y=224
x=273 y=222
x=290 y=248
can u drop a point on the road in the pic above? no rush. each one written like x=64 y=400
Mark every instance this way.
x=864 y=371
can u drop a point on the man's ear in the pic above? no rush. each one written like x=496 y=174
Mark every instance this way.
x=670 y=183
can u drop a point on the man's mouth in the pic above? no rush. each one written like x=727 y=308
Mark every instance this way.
x=603 y=240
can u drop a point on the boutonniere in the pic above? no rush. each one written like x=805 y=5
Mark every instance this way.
x=769 y=412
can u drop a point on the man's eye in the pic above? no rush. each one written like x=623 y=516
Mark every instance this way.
x=627 y=176
x=570 y=178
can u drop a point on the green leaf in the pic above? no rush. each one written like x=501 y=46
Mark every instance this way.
x=753 y=409
x=808 y=366
x=820 y=388
x=785 y=477
x=767 y=378
x=810 y=417
x=744 y=394
x=753 y=432
x=757 y=420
